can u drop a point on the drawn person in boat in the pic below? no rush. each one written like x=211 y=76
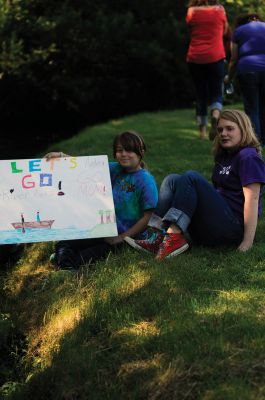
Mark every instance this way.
x=23 y=223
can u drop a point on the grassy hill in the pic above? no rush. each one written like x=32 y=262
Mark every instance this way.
x=129 y=327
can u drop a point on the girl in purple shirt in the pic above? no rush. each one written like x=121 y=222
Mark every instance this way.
x=223 y=213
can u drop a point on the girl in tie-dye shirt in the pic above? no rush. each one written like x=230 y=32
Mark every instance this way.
x=135 y=197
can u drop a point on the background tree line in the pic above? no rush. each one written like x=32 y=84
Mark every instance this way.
x=79 y=62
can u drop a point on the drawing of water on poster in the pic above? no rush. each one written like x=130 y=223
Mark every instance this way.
x=60 y=199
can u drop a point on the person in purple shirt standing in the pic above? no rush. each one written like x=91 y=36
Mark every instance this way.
x=248 y=60
x=223 y=213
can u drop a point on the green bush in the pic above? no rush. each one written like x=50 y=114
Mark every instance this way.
x=94 y=61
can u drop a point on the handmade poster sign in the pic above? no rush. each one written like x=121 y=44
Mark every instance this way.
x=59 y=199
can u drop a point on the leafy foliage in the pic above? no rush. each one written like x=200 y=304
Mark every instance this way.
x=95 y=61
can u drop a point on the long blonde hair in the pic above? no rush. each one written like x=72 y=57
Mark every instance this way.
x=249 y=137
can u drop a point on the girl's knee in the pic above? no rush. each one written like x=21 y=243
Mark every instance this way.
x=194 y=175
x=195 y=179
x=170 y=179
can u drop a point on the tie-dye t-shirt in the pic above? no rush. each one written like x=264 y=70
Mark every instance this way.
x=133 y=193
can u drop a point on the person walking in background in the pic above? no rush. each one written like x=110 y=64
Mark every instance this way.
x=248 y=60
x=208 y=24
x=223 y=213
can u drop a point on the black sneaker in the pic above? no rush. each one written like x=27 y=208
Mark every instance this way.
x=53 y=259
x=66 y=259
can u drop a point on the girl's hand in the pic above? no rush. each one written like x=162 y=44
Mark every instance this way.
x=114 y=240
x=226 y=79
x=244 y=246
x=52 y=154
x=55 y=154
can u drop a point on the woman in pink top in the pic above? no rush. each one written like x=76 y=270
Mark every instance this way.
x=208 y=25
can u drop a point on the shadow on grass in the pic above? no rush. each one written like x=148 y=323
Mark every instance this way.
x=190 y=326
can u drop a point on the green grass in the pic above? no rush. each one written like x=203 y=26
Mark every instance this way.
x=191 y=327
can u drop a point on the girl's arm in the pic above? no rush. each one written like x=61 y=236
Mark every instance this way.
x=251 y=194
x=137 y=228
x=232 y=63
x=226 y=28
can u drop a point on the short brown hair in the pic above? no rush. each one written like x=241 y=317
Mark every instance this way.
x=130 y=141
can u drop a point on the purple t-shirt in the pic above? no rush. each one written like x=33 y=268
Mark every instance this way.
x=250 y=39
x=235 y=170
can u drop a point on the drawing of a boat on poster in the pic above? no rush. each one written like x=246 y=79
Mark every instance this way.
x=33 y=224
x=66 y=198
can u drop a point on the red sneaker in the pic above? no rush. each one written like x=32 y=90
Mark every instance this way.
x=172 y=245
x=150 y=245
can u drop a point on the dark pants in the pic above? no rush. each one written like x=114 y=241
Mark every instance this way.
x=252 y=85
x=74 y=253
x=208 y=82
x=192 y=203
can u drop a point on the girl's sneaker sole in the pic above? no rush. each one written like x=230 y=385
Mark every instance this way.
x=133 y=244
x=176 y=252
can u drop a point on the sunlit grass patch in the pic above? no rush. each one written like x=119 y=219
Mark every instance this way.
x=47 y=340
x=137 y=280
x=143 y=329
x=140 y=365
x=229 y=391
x=238 y=301
x=176 y=380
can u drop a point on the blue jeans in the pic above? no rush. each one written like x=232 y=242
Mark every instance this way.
x=192 y=203
x=208 y=82
x=252 y=85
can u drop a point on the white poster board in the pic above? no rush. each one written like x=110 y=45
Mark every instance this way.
x=61 y=199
